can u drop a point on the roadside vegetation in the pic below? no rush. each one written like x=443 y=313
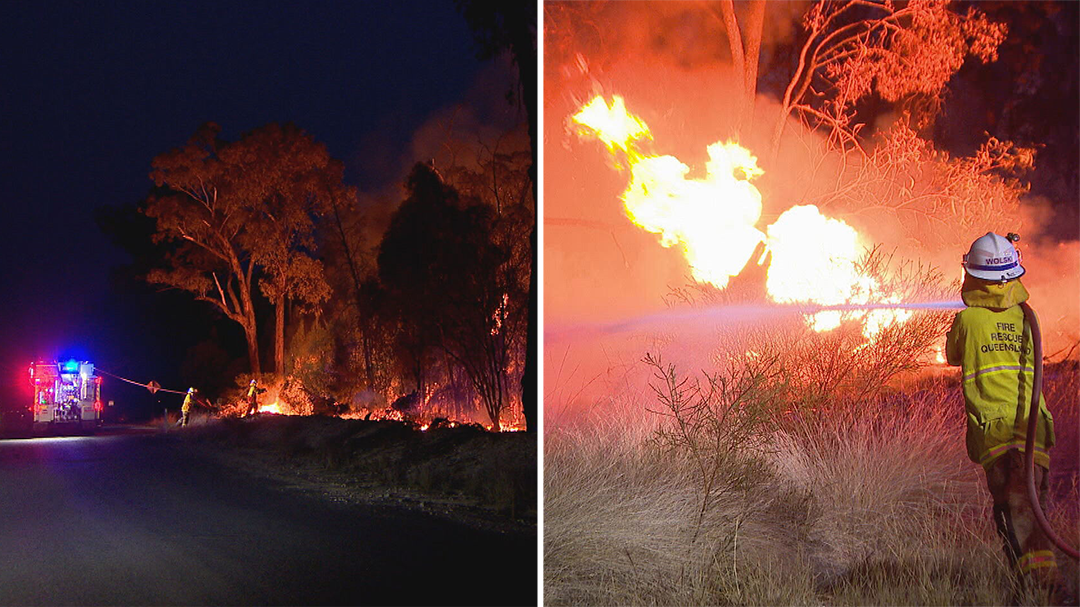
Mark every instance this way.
x=462 y=472
x=814 y=471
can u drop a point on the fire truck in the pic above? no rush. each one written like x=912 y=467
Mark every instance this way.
x=67 y=396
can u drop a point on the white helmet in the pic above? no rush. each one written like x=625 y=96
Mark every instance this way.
x=993 y=257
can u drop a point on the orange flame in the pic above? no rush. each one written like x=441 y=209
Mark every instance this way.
x=273 y=408
x=814 y=260
x=613 y=125
x=713 y=220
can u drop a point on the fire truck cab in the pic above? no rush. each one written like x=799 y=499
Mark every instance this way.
x=67 y=396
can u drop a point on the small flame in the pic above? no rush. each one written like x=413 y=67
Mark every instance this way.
x=613 y=125
x=273 y=408
x=426 y=416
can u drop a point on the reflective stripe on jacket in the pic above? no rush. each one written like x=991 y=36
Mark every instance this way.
x=991 y=341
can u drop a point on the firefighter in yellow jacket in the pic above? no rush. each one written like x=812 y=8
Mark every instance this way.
x=185 y=409
x=253 y=398
x=991 y=341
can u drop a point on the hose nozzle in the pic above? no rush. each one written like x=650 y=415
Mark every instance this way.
x=1012 y=237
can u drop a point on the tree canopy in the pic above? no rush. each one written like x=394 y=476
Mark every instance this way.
x=243 y=212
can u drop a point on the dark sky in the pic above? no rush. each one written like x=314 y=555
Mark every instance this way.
x=92 y=91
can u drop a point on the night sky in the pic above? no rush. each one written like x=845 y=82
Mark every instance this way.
x=93 y=91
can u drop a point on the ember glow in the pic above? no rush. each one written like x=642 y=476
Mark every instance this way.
x=273 y=408
x=713 y=222
x=431 y=414
x=424 y=417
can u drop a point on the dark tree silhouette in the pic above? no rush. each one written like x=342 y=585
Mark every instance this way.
x=511 y=26
x=437 y=262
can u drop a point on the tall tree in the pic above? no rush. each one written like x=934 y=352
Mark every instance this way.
x=511 y=26
x=195 y=208
x=241 y=212
x=500 y=179
x=288 y=181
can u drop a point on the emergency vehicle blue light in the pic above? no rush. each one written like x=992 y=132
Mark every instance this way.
x=71 y=366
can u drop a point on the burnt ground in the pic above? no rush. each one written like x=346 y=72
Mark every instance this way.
x=465 y=474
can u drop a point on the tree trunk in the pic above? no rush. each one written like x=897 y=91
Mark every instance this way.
x=738 y=60
x=524 y=50
x=369 y=367
x=745 y=46
x=252 y=343
x=248 y=311
x=529 y=384
x=419 y=372
x=279 y=336
x=499 y=398
x=358 y=301
x=752 y=44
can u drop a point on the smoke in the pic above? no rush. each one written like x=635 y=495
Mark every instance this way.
x=484 y=116
x=449 y=136
x=594 y=37
x=671 y=63
x=1053 y=280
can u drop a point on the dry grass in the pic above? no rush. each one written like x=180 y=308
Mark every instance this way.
x=863 y=499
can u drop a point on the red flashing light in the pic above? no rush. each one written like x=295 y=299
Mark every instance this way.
x=97 y=406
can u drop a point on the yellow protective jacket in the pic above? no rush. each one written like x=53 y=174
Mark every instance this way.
x=186 y=407
x=991 y=341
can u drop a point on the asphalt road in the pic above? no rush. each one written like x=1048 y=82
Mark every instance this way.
x=142 y=519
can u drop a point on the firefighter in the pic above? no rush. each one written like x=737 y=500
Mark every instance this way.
x=185 y=409
x=253 y=397
x=991 y=341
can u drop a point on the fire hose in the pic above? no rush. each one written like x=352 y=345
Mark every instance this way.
x=152 y=386
x=1029 y=447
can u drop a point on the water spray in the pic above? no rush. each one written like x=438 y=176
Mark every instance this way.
x=735 y=313
x=1033 y=424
